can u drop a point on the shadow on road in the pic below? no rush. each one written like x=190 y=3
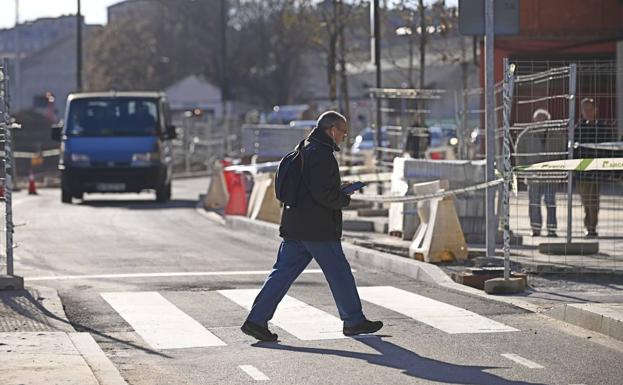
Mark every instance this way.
x=141 y=205
x=411 y=363
x=23 y=303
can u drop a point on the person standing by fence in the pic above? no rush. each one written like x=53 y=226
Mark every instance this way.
x=590 y=131
x=538 y=188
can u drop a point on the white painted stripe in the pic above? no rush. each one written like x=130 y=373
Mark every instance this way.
x=161 y=324
x=303 y=321
x=523 y=361
x=254 y=372
x=440 y=315
x=154 y=275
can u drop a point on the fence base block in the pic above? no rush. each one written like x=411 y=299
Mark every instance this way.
x=563 y=248
x=505 y=286
x=11 y=282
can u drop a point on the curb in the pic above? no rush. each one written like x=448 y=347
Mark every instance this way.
x=601 y=319
x=102 y=368
x=100 y=365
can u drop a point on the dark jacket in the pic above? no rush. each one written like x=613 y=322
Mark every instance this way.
x=318 y=212
x=593 y=132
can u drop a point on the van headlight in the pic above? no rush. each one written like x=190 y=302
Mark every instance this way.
x=146 y=157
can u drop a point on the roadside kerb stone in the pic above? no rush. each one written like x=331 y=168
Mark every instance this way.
x=40 y=346
x=602 y=318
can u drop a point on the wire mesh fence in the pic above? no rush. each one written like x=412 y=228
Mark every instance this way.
x=403 y=114
x=201 y=142
x=568 y=166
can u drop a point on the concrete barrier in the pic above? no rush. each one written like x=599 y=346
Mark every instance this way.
x=439 y=237
x=217 y=196
x=263 y=203
x=402 y=220
x=470 y=207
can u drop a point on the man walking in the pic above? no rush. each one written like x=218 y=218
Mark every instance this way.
x=313 y=229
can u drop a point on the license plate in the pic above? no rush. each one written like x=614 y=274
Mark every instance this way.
x=110 y=187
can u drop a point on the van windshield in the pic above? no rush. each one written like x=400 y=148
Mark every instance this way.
x=113 y=117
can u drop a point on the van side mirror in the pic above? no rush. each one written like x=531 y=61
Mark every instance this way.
x=171 y=132
x=57 y=131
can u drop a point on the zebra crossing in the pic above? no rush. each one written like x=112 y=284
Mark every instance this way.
x=163 y=326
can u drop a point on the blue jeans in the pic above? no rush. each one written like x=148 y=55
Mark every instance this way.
x=293 y=258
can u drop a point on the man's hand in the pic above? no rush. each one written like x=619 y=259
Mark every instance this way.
x=346 y=184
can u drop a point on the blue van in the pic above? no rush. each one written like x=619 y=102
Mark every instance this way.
x=114 y=142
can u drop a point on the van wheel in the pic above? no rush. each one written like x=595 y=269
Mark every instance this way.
x=66 y=195
x=163 y=194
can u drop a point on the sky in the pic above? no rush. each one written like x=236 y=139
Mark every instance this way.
x=94 y=11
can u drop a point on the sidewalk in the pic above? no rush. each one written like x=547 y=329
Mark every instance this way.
x=38 y=346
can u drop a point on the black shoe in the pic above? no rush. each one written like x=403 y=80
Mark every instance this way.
x=552 y=233
x=365 y=327
x=536 y=233
x=258 y=332
x=591 y=234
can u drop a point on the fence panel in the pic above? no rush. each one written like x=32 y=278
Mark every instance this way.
x=568 y=166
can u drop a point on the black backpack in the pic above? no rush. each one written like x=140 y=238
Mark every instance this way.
x=289 y=176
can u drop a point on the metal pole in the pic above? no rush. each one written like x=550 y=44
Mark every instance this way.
x=8 y=153
x=490 y=127
x=225 y=92
x=376 y=51
x=509 y=71
x=572 y=89
x=18 y=53
x=79 y=48
x=187 y=142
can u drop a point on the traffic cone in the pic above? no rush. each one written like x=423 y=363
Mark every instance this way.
x=32 y=187
x=237 y=203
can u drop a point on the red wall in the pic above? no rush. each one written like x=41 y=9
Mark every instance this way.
x=565 y=18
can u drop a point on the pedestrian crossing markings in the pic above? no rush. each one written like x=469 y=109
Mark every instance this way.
x=164 y=326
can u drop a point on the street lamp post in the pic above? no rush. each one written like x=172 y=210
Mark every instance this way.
x=79 y=48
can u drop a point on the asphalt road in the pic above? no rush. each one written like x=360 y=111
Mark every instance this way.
x=116 y=262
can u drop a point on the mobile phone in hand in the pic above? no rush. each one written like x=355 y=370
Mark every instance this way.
x=353 y=187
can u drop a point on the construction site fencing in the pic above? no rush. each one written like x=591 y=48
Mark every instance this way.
x=6 y=183
x=403 y=113
x=566 y=158
x=201 y=142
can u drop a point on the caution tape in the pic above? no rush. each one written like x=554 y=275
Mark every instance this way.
x=587 y=164
x=413 y=198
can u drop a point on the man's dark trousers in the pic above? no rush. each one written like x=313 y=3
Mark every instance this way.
x=293 y=258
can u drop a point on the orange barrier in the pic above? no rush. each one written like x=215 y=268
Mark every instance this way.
x=237 y=203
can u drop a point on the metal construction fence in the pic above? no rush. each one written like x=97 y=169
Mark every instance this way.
x=201 y=142
x=565 y=165
x=6 y=184
x=403 y=114
x=559 y=157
